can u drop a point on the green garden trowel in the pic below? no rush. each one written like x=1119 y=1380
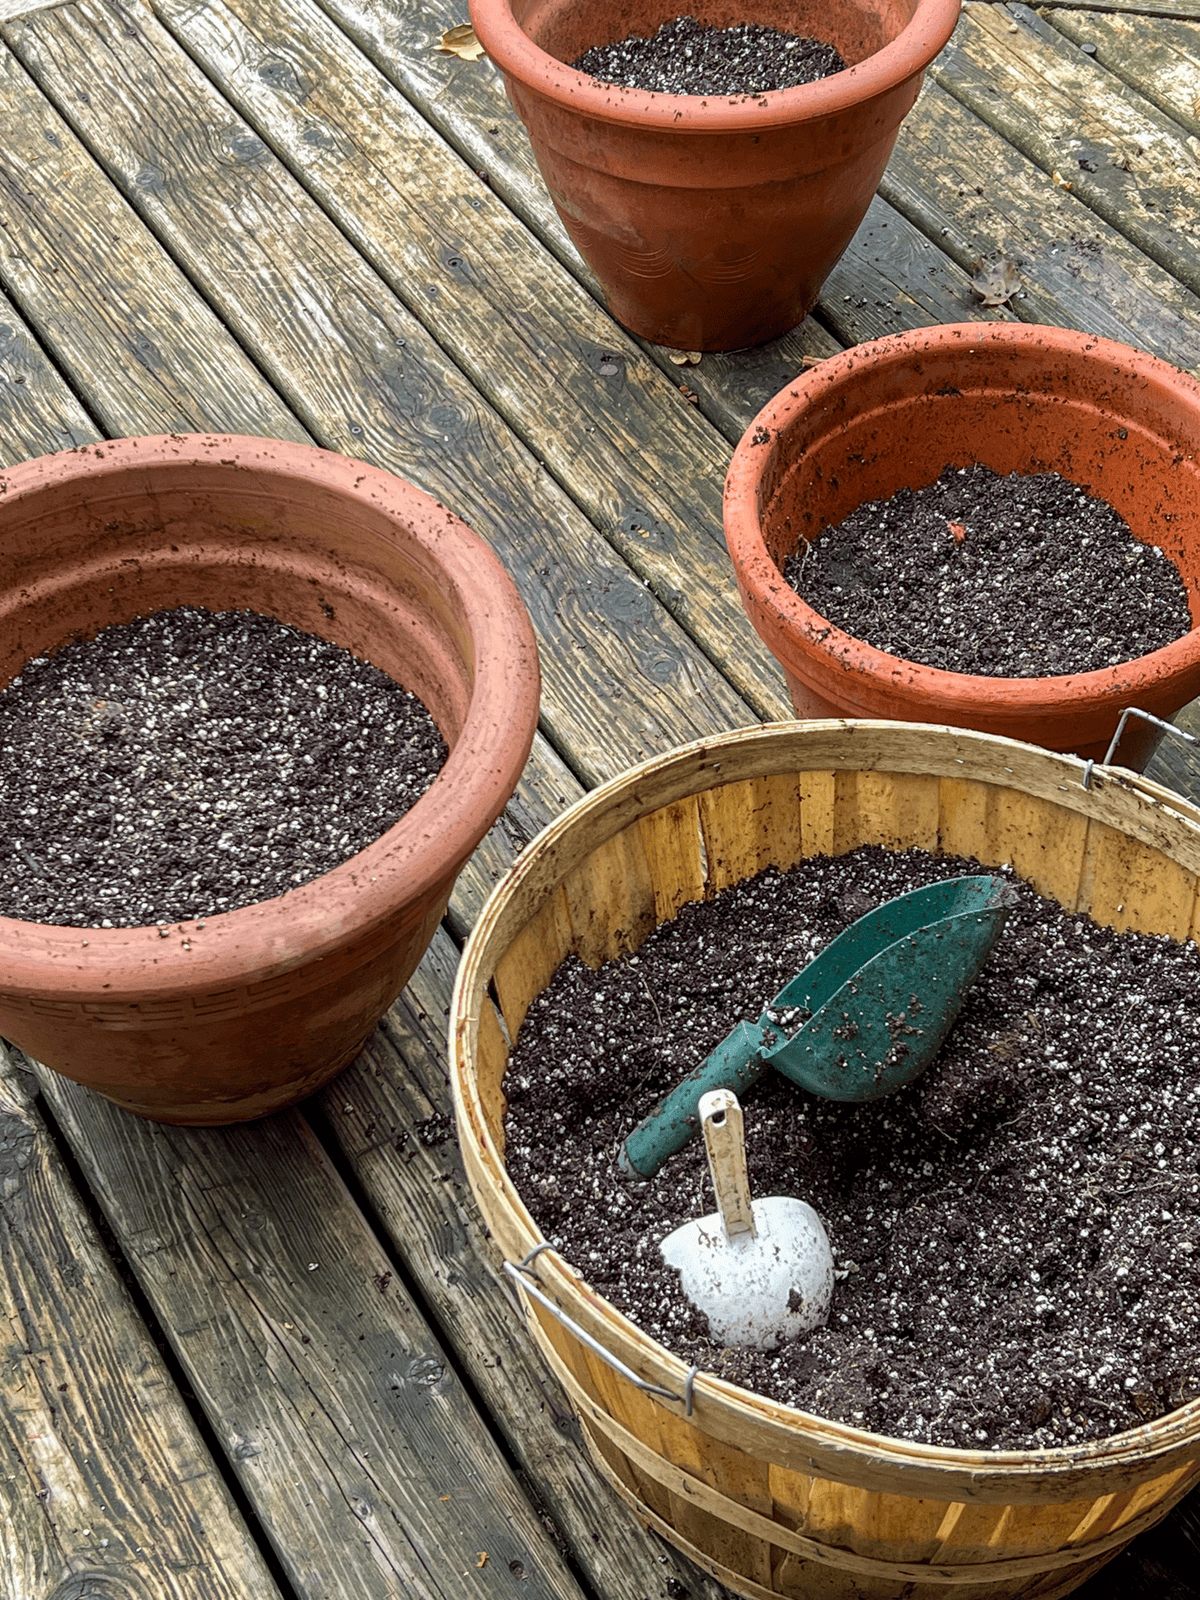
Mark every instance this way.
x=875 y=1005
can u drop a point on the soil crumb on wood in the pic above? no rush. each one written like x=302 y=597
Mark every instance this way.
x=1016 y=577
x=191 y=762
x=1017 y=1234
x=687 y=57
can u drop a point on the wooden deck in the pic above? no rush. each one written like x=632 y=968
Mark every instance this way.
x=278 y=1360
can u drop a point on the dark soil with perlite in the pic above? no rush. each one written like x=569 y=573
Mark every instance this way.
x=686 y=57
x=1015 y=577
x=1017 y=1234
x=192 y=762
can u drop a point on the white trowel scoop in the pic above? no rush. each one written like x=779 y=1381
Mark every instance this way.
x=761 y=1270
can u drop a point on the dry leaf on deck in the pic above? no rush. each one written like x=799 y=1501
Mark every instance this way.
x=995 y=282
x=461 y=42
x=685 y=358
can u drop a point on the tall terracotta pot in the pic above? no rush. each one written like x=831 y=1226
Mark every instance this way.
x=893 y=413
x=260 y=1006
x=712 y=223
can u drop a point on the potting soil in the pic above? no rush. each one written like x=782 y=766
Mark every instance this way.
x=192 y=762
x=1017 y=1234
x=1017 y=577
x=687 y=57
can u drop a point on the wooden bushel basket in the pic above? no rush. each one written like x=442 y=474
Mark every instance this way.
x=768 y=1499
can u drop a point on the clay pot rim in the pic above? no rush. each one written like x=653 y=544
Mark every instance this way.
x=774 y=596
x=115 y=964
x=908 y=54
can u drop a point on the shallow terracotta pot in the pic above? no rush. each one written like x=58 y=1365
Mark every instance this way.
x=712 y=223
x=262 y=1005
x=893 y=413
x=774 y=1502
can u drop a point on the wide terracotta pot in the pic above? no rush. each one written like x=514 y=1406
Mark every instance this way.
x=712 y=223
x=260 y=1006
x=892 y=414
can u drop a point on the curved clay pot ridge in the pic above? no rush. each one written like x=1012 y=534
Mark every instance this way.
x=834 y=673
x=511 y=48
x=381 y=899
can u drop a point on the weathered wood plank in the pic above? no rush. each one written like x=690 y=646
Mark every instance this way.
x=38 y=412
x=18 y=8
x=968 y=188
x=391 y=1115
x=620 y=679
x=547 y=787
x=465 y=101
x=351 y=1435
x=732 y=385
x=642 y=464
x=1159 y=10
x=1111 y=148
x=103 y=295
x=105 y=1481
x=1161 y=62
x=1176 y=763
x=893 y=278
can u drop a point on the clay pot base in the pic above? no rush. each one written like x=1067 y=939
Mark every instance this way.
x=1008 y=1278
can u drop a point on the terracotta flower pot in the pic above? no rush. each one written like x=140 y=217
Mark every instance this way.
x=894 y=413
x=712 y=223
x=262 y=1005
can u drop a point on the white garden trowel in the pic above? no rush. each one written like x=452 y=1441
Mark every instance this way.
x=761 y=1270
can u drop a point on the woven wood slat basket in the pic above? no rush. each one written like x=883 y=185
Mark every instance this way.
x=771 y=1501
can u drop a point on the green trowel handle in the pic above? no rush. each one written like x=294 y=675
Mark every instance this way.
x=735 y=1064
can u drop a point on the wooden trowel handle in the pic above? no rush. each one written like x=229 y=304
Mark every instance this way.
x=721 y=1119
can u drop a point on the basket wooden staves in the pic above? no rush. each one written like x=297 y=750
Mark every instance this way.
x=770 y=1500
